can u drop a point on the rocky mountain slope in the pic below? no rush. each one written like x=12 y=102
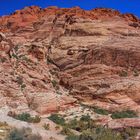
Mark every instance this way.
x=53 y=59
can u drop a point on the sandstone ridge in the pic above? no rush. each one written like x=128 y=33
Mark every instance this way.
x=53 y=59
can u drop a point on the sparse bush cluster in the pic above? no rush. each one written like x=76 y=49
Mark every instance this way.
x=89 y=131
x=28 y=118
x=22 y=134
x=85 y=118
x=124 y=114
x=73 y=137
x=57 y=119
x=97 y=110
x=114 y=115
x=66 y=131
x=101 y=111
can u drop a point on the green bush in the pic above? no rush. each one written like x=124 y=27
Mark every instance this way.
x=27 y=118
x=90 y=131
x=129 y=133
x=101 y=111
x=100 y=133
x=80 y=125
x=124 y=114
x=57 y=119
x=22 y=134
x=23 y=117
x=66 y=131
x=72 y=137
x=85 y=118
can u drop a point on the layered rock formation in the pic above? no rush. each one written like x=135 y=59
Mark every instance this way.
x=60 y=55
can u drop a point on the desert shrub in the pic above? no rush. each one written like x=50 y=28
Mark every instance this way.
x=72 y=137
x=129 y=133
x=124 y=114
x=85 y=118
x=97 y=109
x=46 y=126
x=100 y=133
x=73 y=124
x=22 y=134
x=90 y=131
x=57 y=127
x=35 y=119
x=57 y=119
x=23 y=86
x=2 y=60
x=80 y=125
x=23 y=117
x=54 y=83
x=27 y=118
x=136 y=73
x=66 y=131
x=101 y=111
x=123 y=73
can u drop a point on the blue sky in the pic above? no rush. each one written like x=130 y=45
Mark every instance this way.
x=129 y=6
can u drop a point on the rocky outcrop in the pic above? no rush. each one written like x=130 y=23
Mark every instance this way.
x=30 y=18
x=57 y=54
x=26 y=81
x=124 y=123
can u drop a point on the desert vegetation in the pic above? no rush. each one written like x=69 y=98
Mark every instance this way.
x=27 y=118
x=124 y=114
x=56 y=118
x=22 y=134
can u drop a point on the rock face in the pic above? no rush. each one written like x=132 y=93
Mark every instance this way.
x=92 y=55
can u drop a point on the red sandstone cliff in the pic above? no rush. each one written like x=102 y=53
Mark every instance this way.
x=62 y=55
